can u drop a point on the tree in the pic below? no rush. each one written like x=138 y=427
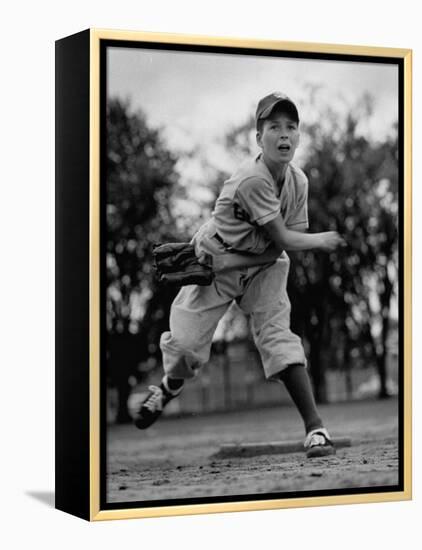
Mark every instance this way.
x=354 y=190
x=140 y=175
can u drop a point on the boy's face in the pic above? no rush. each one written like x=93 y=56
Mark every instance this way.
x=278 y=138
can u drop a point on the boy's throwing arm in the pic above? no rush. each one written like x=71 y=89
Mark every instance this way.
x=285 y=239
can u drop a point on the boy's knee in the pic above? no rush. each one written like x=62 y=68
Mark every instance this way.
x=180 y=359
x=289 y=370
x=180 y=344
x=182 y=368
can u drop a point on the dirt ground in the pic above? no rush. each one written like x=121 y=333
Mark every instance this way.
x=175 y=457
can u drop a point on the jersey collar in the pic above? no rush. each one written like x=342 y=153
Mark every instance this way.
x=277 y=190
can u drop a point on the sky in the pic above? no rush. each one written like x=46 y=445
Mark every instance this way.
x=197 y=97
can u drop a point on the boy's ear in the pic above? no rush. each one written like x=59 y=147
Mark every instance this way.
x=258 y=139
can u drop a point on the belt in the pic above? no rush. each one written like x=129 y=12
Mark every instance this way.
x=229 y=247
x=220 y=240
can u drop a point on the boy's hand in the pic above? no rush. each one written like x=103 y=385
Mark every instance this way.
x=330 y=240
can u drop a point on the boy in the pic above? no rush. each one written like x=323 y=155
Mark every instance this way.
x=260 y=213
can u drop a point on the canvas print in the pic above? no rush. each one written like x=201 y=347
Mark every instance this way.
x=251 y=268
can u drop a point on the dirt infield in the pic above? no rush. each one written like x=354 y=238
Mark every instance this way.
x=175 y=458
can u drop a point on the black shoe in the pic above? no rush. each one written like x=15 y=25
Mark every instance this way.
x=153 y=406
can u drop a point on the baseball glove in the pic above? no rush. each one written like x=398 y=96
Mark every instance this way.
x=177 y=264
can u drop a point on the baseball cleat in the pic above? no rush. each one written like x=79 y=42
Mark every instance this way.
x=153 y=405
x=318 y=443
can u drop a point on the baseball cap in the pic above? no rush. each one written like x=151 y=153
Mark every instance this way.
x=267 y=104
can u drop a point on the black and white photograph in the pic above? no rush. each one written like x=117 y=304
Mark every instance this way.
x=251 y=261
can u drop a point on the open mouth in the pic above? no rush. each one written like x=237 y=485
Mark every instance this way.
x=284 y=148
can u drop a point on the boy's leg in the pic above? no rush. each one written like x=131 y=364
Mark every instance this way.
x=174 y=384
x=298 y=384
x=281 y=350
x=194 y=316
x=296 y=379
x=318 y=442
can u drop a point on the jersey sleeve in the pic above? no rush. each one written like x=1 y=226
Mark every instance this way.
x=298 y=219
x=255 y=197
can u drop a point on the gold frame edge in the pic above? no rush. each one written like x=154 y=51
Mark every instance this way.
x=204 y=40
x=407 y=278
x=249 y=506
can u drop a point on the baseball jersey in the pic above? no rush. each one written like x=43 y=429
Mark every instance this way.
x=251 y=198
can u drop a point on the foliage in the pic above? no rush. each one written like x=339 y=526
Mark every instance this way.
x=140 y=178
x=354 y=187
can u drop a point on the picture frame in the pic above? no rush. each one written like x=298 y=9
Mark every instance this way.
x=90 y=67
